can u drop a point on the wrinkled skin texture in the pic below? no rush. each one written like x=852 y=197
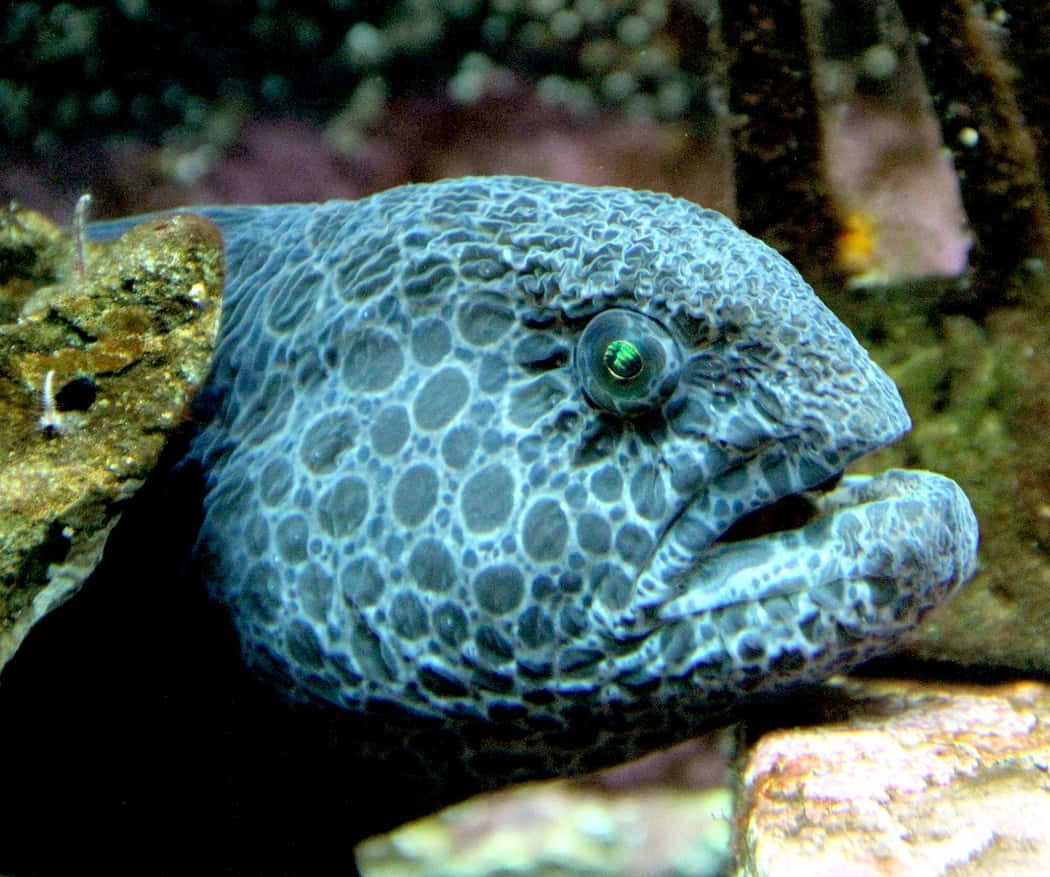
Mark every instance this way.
x=435 y=490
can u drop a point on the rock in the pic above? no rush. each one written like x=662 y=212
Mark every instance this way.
x=98 y=364
x=665 y=814
x=918 y=779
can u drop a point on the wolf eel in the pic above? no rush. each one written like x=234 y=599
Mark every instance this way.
x=511 y=454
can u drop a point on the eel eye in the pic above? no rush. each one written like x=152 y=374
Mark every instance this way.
x=627 y=362
x=623 y=360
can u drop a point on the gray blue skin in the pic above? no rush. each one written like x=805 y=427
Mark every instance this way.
x=477 y=450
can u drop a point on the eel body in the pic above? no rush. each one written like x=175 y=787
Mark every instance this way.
x=496 y=451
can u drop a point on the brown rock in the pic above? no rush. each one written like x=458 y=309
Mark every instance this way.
x=665 y=814
x=97 y=367
x=920 y=779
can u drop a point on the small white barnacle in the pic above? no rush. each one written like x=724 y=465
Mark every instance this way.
x=198 y=293
x=80 y=213
x=55 y=419
x=51 y=419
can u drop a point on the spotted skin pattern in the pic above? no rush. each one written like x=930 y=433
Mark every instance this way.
x=432 y=483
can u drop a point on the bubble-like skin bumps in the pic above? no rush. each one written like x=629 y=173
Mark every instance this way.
x=412 y=500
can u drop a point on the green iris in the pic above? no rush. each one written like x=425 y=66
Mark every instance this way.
x=623 y=360
x=626 y=377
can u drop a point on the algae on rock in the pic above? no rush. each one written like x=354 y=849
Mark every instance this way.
x=98 y=364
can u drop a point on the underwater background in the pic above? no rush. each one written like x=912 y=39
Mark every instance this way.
x=896 y=152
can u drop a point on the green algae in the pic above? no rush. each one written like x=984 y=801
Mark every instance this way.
x=97 y=367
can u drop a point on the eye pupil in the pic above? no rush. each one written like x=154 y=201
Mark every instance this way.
x=623 y=360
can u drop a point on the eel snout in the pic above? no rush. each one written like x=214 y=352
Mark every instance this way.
x=801 y=603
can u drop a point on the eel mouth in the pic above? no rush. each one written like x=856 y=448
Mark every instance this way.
x=878 y=550
x=790 y=512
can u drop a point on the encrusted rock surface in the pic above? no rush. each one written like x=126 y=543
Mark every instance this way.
x=918 y=779
x=666 y=814
x=98 y=363
x=902 y=778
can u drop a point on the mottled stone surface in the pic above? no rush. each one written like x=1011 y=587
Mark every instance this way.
x=666 y=814
x=97 y=366
x=918 y=779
